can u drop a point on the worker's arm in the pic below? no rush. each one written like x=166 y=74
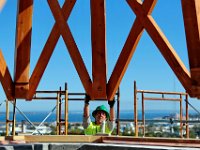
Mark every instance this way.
x=86 y=110
x=111 y=122
x=112 y=114
x=86 y=113
x=111 y=103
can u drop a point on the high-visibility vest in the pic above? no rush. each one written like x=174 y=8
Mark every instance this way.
x=93 y=129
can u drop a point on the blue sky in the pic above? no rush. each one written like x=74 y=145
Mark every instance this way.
x=147 y=67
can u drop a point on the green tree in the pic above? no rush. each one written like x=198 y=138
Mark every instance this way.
x=53 y=130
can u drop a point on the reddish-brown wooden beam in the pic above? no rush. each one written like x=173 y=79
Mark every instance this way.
x=5 y=78
x=71 y=46
x=154 y=141
x=23 y=47
x=127 y=52
x=99 y=67
x=163 y=45
x=48 y=50
x=191 y=16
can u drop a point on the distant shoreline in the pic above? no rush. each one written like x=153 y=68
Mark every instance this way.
x=76 y=116
x=80 y=111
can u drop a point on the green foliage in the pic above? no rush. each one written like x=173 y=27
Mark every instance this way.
x=195 y=131
x=53 y=130
x=150 y=134
x=3 y=134
x=76 y=132
x=176 y=128
x=114 y=132
x=192 y=134
x=128 y=132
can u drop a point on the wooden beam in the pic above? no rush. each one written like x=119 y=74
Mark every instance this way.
x=127 y=52
x=71 y=46
x=99 y=68
x=63 y=138
x=163 y=44
x=161 y=99
x=48 y=50
x=191 y=16
x=5 y=78
x=135 y=108
x=155 y=141
x=23 y=47
x=126 y=140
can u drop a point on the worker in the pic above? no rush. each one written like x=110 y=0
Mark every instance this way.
x=104 y=121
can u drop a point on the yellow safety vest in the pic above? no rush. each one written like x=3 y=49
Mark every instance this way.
x=93 y=129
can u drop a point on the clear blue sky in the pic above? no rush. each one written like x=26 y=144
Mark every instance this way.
x=147 y=67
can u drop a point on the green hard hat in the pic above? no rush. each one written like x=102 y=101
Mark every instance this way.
x=101 y=108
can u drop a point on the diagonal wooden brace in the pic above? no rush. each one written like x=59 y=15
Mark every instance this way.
x=71 y=46
x=191 y=15
x=163 y=44
x=47 y=51
x=5 y=78
x=127 y=51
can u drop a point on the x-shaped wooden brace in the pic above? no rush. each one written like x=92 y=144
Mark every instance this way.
x=161 y=42
x=128 y=50
x=60 y=28
x=71 y=45
x=143 y=20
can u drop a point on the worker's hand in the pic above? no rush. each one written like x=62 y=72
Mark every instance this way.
x=87 y=99
x=111 y=103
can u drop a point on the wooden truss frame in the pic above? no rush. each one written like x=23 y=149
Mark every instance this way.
x=24 y=86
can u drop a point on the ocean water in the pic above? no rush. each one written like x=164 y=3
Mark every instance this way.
x=76 y=116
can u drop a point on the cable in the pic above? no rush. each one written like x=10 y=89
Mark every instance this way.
x=45 y=119
x=192 y=107
x=26 y=118
x=49 y=114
